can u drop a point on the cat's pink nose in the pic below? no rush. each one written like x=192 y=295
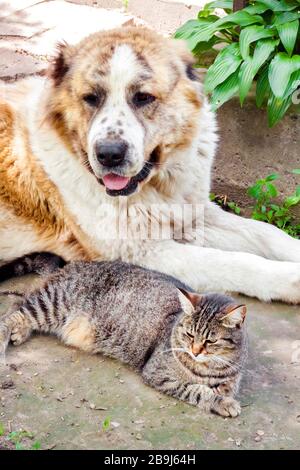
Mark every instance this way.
x=198 y=349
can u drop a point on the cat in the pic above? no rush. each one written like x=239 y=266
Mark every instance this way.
x=186 y=345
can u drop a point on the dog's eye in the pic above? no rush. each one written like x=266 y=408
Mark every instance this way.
x=91 y=99
x=142 y=99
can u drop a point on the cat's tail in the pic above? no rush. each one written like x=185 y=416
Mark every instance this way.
x=42 y=263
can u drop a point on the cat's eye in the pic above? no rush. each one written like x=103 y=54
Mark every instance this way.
x=209 y=341
x=141 y=99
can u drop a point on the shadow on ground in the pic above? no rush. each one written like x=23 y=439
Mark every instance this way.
x=62 y=396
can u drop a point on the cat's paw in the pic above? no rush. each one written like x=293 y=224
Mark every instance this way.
x=227 y=407
x=19 y=334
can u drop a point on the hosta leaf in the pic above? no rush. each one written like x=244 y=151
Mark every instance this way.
x=251 y=34
x=192 y=27
x=293 y=85
x=251 y=65
x=288 y=35
x=286 y=17
x=262 y=87
x=281 y=68
x=289 y=4
x=277 y=107
x=206 y=45
x=225 y=4
x=225 y=64
x=256 y=8
x=225 y=91
x=241 y=18
x=262 y=51
x=274 y=5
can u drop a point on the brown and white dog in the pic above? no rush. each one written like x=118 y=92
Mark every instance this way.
x=122 y=118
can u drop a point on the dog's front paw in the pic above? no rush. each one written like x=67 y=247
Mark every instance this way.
x=227 y=407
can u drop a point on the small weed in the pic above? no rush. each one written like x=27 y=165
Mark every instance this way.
x=19 y=439
x=125 y=4
x=222 y=201
x=106 y=424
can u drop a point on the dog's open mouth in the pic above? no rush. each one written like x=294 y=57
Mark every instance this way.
x=117 y=185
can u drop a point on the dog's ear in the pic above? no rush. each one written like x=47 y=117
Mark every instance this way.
x=61 y=63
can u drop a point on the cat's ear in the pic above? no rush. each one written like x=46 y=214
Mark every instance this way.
x=234 y=316
x=193 y=297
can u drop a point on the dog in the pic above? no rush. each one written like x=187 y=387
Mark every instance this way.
x=121 y=121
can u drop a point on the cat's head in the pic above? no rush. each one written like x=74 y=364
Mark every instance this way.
x=212 y=332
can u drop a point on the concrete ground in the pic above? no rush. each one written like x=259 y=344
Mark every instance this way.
x=62 y=397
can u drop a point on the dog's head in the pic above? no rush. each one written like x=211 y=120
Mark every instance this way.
x=125 y=100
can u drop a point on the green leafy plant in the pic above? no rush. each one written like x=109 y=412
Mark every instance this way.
x=259 y=43
x=264 y=191
x=19 y=438
x=222 y=200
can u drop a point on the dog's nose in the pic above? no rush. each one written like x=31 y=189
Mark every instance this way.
x=111 y=152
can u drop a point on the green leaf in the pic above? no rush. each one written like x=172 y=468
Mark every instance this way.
x=293 y=85
x=225 y=91
x=272 y=177
x=296 y=171
x=225 y=4
x=277 y=107
x=36 y=445
x=240 y=18
x=271 y=189
x=288 y=35
x=204 y=46
x=286 y=17
x=292 y=201
x=255 y=191
x=106 y=424
x=226 y=64
x=280 y=71
x=273 y=5
x=289 y=4
x=262 y=86
x=256 y=8
x=193 y=27
x=251 y=65
x=2 y=430
x=251 y=34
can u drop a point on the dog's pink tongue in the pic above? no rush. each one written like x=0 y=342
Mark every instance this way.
x=113 y=181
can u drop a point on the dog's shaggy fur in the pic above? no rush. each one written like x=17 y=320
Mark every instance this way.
x=133 y=86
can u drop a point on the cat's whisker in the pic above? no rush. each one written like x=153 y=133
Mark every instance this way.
x=174 y=349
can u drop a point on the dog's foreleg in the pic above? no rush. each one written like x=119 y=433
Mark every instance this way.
x=207 y=269
x=230 y=232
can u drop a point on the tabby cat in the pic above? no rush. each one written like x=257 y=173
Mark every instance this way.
x=189 y=346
